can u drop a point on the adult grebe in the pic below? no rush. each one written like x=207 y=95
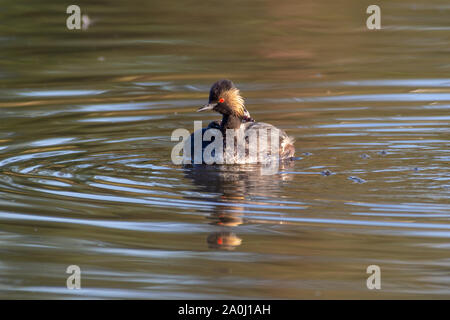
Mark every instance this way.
x=225 y=99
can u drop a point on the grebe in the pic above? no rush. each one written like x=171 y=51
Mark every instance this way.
x=225 y=99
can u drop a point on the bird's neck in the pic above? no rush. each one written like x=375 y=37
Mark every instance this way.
x=230 y=121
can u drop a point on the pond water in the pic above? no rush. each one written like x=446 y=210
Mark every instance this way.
x=86 y=176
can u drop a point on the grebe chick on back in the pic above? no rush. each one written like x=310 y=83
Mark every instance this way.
x=225 y=99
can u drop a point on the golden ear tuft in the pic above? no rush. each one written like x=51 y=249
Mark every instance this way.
x=235 y=101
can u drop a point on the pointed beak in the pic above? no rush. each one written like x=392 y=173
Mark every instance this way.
x=208 y=106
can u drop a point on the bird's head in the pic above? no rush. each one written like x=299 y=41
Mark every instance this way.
x=225 y=98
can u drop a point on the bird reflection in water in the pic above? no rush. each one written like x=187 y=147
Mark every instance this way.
x=232 y=188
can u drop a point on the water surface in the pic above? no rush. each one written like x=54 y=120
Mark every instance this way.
x=86 y=177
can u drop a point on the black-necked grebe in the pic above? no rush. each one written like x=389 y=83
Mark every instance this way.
x=225 y=99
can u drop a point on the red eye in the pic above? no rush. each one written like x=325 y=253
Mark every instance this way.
x=221 y=100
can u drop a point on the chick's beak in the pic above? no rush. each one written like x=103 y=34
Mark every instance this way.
x=208 y=106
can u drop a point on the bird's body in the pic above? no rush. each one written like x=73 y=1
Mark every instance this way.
x=258 y=140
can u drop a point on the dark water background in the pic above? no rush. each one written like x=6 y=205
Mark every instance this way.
x=86 y=177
